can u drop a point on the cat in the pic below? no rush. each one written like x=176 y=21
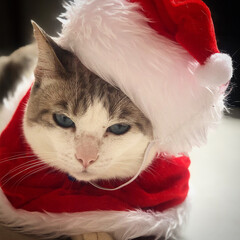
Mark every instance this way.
x=79 y=124
x=93 y=130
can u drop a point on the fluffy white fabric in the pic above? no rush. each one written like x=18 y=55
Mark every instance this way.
x=216 y=71
x=10 y=104
x=114 y=40
x=123 y=225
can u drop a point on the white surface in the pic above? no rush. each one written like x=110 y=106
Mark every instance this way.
x=215 y=187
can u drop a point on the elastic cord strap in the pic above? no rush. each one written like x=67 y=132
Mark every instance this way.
x=150 y=144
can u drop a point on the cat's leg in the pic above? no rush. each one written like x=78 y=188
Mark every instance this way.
x=93 y=236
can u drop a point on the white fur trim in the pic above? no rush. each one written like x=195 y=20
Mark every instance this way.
x=113 y=39
x=216 y=71
x=10 y=103
x=123 y=225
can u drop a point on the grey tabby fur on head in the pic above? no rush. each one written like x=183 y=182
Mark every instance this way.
x=80 y=124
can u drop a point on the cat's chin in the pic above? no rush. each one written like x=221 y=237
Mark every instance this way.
x=83 y=176
x=87 y=176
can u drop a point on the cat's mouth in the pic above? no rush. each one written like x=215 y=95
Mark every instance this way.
x=83 y=175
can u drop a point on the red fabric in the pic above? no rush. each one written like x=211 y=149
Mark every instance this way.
x=187 y=22
x=165 y=185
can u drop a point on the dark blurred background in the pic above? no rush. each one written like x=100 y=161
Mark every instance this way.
x=15 y=25
x=16 y=29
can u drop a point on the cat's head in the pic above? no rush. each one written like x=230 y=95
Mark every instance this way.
x=78 y=123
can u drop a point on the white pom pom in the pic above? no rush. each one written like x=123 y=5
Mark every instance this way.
x=216 y=71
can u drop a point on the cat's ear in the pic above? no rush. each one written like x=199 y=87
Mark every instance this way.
x=50 y=55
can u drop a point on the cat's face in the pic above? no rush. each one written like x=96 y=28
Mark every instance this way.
x=78 y=123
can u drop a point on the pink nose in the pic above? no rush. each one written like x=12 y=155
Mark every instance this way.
x=87 y=150
x=85 y=161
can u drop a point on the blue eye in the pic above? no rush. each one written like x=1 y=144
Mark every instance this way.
x=118 y=129
x=63 y=121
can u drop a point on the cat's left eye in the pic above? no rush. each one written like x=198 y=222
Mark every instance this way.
x=63 y=121
x=118 y=129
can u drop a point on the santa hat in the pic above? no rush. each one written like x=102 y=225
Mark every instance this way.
x=162 y=54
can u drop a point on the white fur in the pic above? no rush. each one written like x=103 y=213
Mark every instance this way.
x=113 y=39
x=10 y=103
x=123 y=225
x=119 y=156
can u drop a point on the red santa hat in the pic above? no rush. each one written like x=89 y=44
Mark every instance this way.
x=162 y=54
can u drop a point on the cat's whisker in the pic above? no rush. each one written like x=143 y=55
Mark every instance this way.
x=31 y=166
x=25 y=152
x=52 y=170
x=119 y=102
x=41 y=168
x=18 y=152
x=23 y=165
x=76 y=84
x=120 y=160
x=17 y=158
x=151 y=170
x=22 y=156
